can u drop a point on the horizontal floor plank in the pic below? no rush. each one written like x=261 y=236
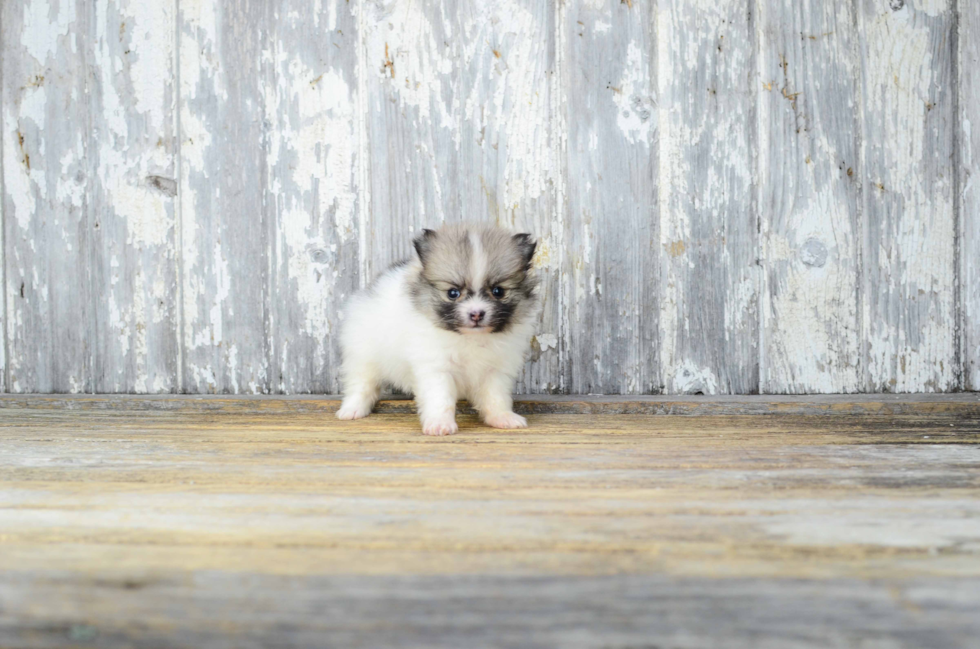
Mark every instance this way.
x=961 y=404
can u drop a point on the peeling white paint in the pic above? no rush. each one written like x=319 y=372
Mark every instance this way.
x=688 y=378
x=505 y=101
x=20 y=183
x=547 y=341
x=472 y=96
x=407 y=52
x=968 y=86
x=323 y=150
x=932 y=8
x=912 y=352
x=810 y=340
x=222 y=280
x=633 y=98
x=705 y=191
x=41 y=34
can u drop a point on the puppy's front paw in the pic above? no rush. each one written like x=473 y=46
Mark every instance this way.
x=353 y=410
x=439 y=426
x=505 y=420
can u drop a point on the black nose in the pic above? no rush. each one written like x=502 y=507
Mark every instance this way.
x=476 y=316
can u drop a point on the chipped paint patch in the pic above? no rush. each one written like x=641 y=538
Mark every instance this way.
x=633 y=97
x=547 y=341
x=319 y=143
x=688 y=378
x=511 y=113
x=43 y=29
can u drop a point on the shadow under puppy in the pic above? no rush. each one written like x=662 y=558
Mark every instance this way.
x=454 y=321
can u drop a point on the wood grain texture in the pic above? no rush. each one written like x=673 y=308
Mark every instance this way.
x=226 y=221
x=612 y=252
x=908 y=238
x=709 y=329
x=89 y=196
x=968 y=159
x=48 y=226
x=133 y=203
x=488 y=611
x=810 y=90
x=230 y=527
x=312 y=189
x=3 y=236
x=412 y=96
x=963 y=406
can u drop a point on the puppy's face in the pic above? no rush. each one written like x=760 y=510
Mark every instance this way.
x=475 y=279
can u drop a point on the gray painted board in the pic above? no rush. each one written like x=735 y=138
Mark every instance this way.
x=132 y=197
x=809 y=197
x=225 y=73
x=968 y=141
x=48 y=230
x=410 y=89
x=89 y=196
x=709 y=329
x=311 y=190
x=908 y=236
x=612 y=243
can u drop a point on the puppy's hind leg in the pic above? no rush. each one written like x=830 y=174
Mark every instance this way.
x=493 y=400
x=362 y=385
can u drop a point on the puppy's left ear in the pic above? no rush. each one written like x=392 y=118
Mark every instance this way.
x=526 y=245
x=423 y=244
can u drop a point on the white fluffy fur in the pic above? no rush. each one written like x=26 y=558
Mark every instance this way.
x=386 y=340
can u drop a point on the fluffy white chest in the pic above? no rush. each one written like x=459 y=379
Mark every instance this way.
x=471 y=361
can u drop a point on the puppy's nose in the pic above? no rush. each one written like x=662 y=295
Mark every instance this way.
x=476 y=316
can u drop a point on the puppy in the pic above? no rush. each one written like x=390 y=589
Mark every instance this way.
x=453 y=321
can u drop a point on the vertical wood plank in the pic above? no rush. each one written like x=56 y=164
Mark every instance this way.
x=908 y=238
x=709 y=328
x=968 y=139
x=312 y=187
x=411 y=73
x=509 y=153
x=612 y=231
x=48 y=175
x=89 y=215
x=810 y=191
x=132 y=198
x=225 y=220
x=3 y=230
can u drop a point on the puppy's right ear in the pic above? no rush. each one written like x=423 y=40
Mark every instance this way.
x=423 y=244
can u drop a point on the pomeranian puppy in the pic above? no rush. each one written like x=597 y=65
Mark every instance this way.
x=453 y=321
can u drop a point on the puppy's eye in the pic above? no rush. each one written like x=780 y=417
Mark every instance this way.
x=453 y=293
x=497 y=292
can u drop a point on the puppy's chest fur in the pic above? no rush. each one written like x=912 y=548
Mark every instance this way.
x=472 y=359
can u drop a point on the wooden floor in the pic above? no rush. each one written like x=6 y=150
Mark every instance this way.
x=189 y=522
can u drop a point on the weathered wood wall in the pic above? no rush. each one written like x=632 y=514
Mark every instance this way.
x=732 y=196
